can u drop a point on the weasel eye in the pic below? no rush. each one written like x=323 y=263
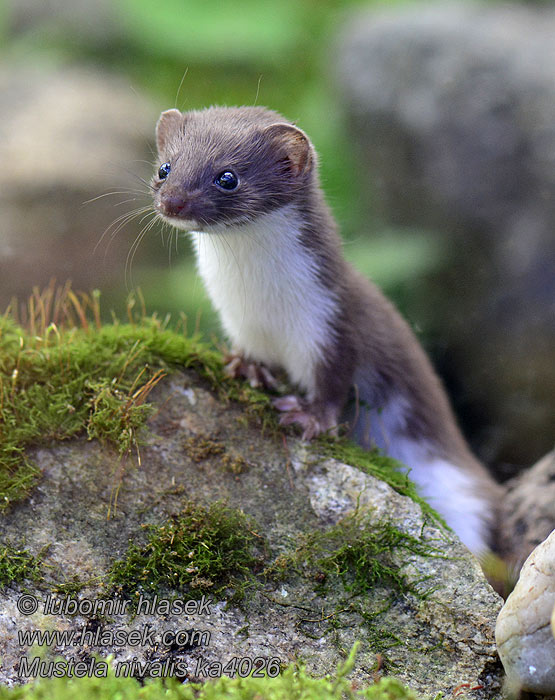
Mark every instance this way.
x=164 y=171
x=227 y=180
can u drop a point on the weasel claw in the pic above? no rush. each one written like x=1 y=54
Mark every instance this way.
x=288 y=403
x=257 y=375
x=232 y=367
x=296 y=410
x=311 y=426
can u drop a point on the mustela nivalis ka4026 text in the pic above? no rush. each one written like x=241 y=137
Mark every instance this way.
x=244 y=182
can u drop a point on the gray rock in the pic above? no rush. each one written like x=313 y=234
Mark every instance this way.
x=433 y=643
x=91 y=23
x=452 y=108
x=528 y=511
x=523 y=631
x=68 y=135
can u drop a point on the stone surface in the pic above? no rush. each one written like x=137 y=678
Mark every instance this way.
x=523 y=632
x=452 y=109
x=528 y=511
x=433 y=644
x=69 y=135
x=92 y=23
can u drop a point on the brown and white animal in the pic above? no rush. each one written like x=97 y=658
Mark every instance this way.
x=244 y=182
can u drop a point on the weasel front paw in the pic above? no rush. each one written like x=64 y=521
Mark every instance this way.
x=312 y=421
x=256 y=373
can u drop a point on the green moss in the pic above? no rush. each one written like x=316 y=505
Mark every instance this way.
x=359 y=551
x=17 y=565
x=199 y=447
x=203 y=549
x=235 y=463
x=357 y=556
x=292 y=684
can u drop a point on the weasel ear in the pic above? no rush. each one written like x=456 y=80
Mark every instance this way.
x=169 y=121
x=295 y=144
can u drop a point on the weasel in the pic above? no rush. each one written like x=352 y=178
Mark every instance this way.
x=244 y=182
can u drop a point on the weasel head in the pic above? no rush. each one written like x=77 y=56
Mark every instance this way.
x=227 y=166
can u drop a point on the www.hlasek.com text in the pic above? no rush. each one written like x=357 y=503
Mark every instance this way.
x=119 y=637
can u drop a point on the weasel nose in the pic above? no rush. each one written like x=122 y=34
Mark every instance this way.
x=174 y=205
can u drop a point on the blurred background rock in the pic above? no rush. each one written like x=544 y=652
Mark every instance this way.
x=435 y=126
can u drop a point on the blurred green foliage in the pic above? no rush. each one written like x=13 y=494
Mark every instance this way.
x=217 y=31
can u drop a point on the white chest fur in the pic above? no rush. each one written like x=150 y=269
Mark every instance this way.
x=263 y=283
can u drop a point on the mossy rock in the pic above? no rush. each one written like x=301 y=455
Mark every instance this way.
x=295 y=553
